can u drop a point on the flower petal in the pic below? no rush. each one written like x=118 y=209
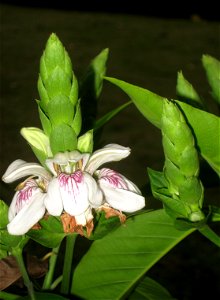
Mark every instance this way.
x=122 y=200
x=29 y=215
x=84 y=217
x=20 y=168
x=74 y=193
x=119 y=192
x=111 y=152
x=53 y=200
x=95 y=195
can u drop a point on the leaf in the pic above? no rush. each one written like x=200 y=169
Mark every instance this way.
x=3 y=214
x=206 y=126
x=107 y=117
x=50 y=234
x=9 y=272
x=186 y=92
x=90 y=89
x=62 y=138
x=119 y=260
x=44 y=120
x=149 y=289
x=212 y=68
x=43 y=296
x=160 y=191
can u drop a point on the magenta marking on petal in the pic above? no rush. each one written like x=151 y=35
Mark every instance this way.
x=113 y=178
x=70 y=183
x=25 y=194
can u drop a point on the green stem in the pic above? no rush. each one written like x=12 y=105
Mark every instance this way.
x=52 y=263
x=210 y=234
x=70 y=242
x=18 y=255
x=56 y=282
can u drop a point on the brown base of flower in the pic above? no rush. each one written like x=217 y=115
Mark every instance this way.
x=111 y=212
x=70 y=225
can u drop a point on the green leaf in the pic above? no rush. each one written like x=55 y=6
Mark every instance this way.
x=44 y=98
x=107 y=117
x=206 y=126
x=3 y=253
x=3 y=214
x=62 y=138
x=160 y=191
x=74 y=90
x=43 y=296
x=90 y=89
x=119 y=260
x=149 y=289
x=186 y=92
x=212 y=68
x=50 y=234
x=104 y=225
x=60 y=110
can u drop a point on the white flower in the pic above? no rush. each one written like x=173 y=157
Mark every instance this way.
x=78 y=185
x=27 y=206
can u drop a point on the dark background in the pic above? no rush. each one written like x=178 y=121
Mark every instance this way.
x=147 y=48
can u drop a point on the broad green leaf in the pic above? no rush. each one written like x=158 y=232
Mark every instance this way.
x=50 y=234
x=3 y=253
x=212 y=68
x=186 y=92
x=206 y=126
x=149 y=289
x=114 y=264
x=60 y=110
x=63 y=138
x=43 y=296
x=107 y=117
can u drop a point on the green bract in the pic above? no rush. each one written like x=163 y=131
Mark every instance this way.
x=58 y=89
x=181 y=162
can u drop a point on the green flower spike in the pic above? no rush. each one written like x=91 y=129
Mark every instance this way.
x=58 y=89
x=181 y=167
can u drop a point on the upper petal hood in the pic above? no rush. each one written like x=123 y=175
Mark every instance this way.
x=111 y=152
x=20 y=168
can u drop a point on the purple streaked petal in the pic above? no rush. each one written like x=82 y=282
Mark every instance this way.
x=74 y=192
x=53 y=200
x=20 y=168
x=29 y=214
x=111 y=152
x=121 y=199
x=117 y=180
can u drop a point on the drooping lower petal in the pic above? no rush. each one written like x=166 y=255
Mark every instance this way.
x=74 y=192
x=119 y=192
x=20 y=168
x=111 y=152
x=53 y=200
x=30 y=213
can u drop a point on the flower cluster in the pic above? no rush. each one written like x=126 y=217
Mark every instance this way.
x=72 y=185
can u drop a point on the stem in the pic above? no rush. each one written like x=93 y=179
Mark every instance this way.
x=210 y=234
x=56 y=282
x=18 y=255
x=52 y=263
x=70 y=242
